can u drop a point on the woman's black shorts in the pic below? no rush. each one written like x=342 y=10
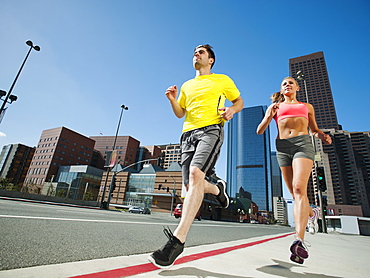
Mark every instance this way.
x=296 y=147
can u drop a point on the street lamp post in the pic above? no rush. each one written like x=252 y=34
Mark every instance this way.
x=173 y=193
x=8 y=95
x=123 y=107
x=301 y=76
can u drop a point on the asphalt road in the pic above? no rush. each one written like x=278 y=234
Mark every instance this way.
x=34 y=234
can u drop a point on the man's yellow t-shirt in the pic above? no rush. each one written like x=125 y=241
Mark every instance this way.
x=202 y=96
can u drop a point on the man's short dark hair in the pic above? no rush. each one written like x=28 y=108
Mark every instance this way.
x=211 y=54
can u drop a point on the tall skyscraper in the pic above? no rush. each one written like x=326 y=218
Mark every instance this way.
x=249 y=157
x=319 y=92
x=316 y=90
x=346 y=160
x=348 y=170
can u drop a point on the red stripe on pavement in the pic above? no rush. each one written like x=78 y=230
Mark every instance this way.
x=224 y=250
x=121 y=272
x=143 y=268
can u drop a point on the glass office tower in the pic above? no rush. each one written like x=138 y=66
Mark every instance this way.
x=249 y=157
x=277 y=185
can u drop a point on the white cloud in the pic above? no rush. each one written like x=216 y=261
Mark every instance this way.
x=2 y=134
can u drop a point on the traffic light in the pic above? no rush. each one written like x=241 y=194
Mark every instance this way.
x=324 y=204
x=320 y=178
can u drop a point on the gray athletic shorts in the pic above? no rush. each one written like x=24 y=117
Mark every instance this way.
x=295 y=147
x=201 y=148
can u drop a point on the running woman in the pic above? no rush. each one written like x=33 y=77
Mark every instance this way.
x=295 y=154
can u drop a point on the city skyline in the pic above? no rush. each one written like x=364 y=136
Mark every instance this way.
x=124 y=52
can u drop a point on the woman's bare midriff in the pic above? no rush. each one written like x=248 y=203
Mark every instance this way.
x=292 y=127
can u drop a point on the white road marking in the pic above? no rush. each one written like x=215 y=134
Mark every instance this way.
x=117 y=221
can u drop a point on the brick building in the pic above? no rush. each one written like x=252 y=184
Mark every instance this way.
x=15 y=160
x=58 y=147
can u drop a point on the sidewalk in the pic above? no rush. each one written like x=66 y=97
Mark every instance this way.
x=331 y=255
x=46 y=202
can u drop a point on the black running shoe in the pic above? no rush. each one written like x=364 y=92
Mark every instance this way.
x=222 y=197
x=166 y=256
x=298 y=248
x=296 y=259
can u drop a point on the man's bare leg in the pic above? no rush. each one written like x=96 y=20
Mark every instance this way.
x=198 y=186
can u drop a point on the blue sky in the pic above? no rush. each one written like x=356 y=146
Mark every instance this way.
x=98 y=54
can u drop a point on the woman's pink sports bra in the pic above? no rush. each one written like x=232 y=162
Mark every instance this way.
x=291 y=111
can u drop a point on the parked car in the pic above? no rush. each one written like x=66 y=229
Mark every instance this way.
x=135 y=209
x=141 y=210
x=178 y=210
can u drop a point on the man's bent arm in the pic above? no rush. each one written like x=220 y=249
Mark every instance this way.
x=238 y=104
x=171 y=94
x=228 y=112
x=177 y=109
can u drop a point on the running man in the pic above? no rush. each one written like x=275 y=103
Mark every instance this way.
x=201 y=101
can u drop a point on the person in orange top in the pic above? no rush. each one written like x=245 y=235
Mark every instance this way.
x=295 y=154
